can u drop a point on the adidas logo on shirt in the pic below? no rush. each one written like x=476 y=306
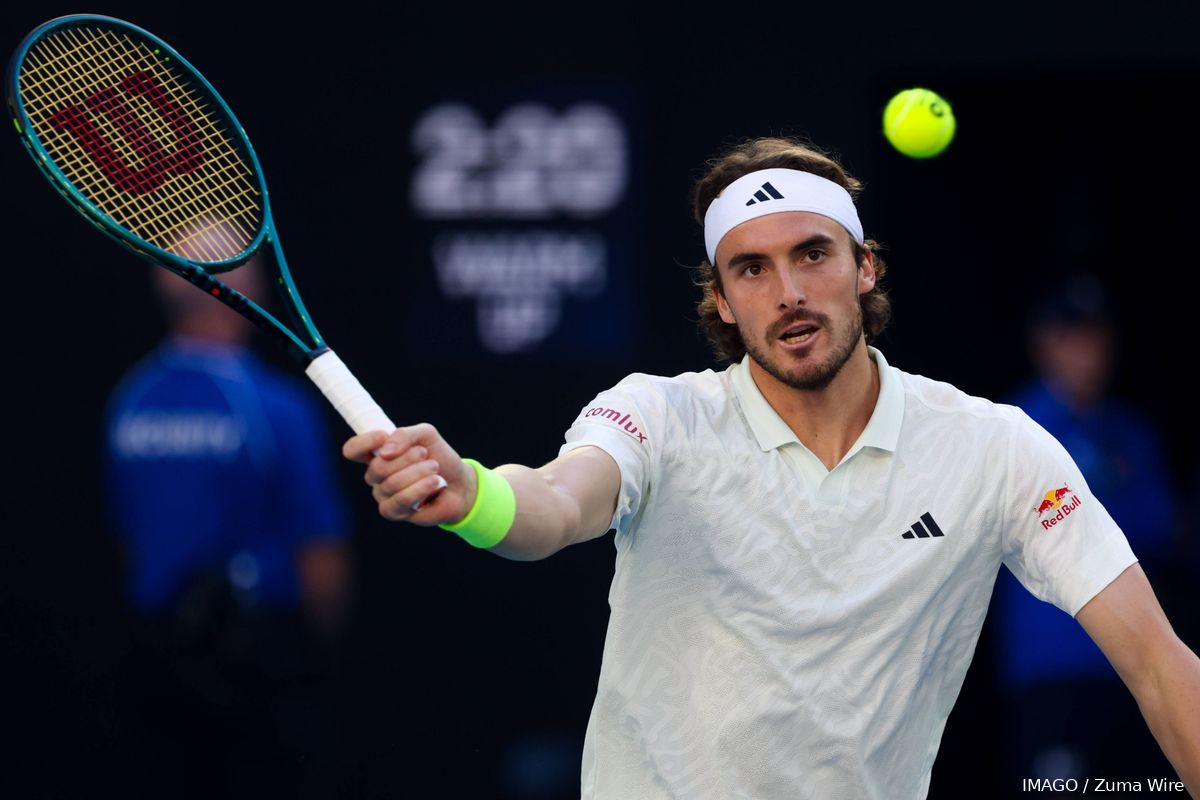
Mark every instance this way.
x=923 y=531
x=764 y=194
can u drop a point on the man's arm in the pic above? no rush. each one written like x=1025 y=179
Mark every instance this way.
x=569 y=500
x=1128 y=624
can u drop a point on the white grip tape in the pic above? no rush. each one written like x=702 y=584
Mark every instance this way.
x=347 y=395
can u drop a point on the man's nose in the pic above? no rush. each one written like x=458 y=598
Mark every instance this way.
x=791 y=289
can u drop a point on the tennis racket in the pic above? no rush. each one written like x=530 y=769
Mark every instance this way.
x=142 y=146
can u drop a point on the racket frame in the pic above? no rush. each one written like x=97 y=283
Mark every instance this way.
x=200 y=274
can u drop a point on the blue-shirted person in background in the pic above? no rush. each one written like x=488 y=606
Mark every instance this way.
x=1062 y=692
x=224 y=498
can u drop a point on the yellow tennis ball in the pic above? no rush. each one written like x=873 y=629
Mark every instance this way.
x=918 y=123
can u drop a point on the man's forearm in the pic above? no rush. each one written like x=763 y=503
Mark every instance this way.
x=547 y=519
x=1169 y=698
x=570 y=500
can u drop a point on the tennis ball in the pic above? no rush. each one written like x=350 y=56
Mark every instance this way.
x=918 y=123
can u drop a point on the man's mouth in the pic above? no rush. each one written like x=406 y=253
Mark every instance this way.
x=799 y=333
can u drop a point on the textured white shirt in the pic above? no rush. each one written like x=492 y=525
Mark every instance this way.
x=780 y=630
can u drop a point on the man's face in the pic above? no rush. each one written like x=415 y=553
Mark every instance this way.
x=791 y=285
x=1078 y=357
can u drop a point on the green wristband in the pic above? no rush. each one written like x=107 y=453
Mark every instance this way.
x=492 y=515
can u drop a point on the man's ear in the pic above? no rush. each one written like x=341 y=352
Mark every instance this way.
x=866 y=272
x=722 y=306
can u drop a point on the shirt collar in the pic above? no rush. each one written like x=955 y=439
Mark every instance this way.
x=882 y=431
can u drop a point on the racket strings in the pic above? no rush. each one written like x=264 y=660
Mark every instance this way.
x=167 y=220
x=161 y=216
x=130 y=139
x=141 y=143
x=193 y=237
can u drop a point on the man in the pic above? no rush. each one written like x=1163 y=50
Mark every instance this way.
x=806 y=541
x=236 y=576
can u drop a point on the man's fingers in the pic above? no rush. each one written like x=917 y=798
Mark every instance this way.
x=399 y=506
x=380 y=468
x=401 y=480
x=361 y=448
x=420 y=503
x=401 y=439
x=402 y=471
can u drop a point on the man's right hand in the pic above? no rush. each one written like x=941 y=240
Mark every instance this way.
x=414 y=475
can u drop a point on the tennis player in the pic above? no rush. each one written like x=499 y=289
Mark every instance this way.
x=806 y=540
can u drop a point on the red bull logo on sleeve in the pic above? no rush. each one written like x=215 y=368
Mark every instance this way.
x=1057 y=501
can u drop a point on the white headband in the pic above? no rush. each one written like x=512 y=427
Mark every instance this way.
x=770 y=191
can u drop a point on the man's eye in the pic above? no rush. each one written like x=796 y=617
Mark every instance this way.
x=815 y=255
x=753 y=269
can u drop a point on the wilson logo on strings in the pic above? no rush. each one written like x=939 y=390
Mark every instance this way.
x=158 y=164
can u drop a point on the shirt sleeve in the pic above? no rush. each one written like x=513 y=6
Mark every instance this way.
x=1059 y=541
x=619 y=421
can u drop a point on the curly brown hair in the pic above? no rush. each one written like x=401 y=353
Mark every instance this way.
x=767 y=153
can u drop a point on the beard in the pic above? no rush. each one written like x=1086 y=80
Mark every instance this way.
x=818 y=376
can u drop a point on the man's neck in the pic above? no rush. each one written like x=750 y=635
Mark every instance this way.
x=827 y=421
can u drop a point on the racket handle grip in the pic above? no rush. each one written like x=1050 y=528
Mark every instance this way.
x=348 y=396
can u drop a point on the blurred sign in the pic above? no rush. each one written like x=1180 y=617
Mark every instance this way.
x=534 y=163
x=527 y=215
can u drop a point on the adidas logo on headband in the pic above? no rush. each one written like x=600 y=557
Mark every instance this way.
x=805 y=192
x=761 y=194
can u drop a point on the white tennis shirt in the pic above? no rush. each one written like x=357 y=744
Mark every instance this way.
x=779 y=630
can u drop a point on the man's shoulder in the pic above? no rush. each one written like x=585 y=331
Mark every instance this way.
x=662 y=400
x=943 y=401
x=705 y=387
x=705 y=382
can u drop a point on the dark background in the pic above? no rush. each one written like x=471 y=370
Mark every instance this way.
x=1075 y=148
